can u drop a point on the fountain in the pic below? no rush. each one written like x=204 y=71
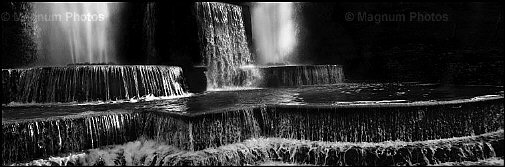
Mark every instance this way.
x=76 y=32
x=81 y=35
x=274 y=32
x=224 y=46
x=90 y=83
x=275 y=35
x=95 y=113
x=218 y=119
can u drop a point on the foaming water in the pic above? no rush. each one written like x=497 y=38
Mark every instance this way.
x=146 y=98
x=76 y=32
x=233 y=89
x=257 y=151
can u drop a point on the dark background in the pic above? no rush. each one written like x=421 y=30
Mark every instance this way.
x=466 y=49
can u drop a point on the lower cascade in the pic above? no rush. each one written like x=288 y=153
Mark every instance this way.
x=39 y=138
x=472 y=150
x=83 y=83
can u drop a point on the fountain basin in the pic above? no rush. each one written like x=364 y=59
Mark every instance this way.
x=193 y=123
x=84 y=83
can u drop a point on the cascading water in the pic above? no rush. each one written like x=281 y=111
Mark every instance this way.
x=274 y=32
x=227 y=57
x=224 y=45
x=292 y=76
x=408 y=122
x=257 y=151
x=73 y=33
x=303 y=75
x=207 y=138
x=42 y=138
x=90 y=83
x=280 y=125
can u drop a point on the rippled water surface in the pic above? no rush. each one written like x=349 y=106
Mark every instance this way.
x=337 y=94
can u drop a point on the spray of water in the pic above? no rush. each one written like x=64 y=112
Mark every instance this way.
x=257 y=151
x=75 y=32
x=274 y=32
x=224 y=45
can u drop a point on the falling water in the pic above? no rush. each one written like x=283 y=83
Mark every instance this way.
x=274 y=32
x=45 y=137
x=289 y=76
x=223 y=44
x=73 y=33
x=90 y=83
x=48 y=137
x=257 y=151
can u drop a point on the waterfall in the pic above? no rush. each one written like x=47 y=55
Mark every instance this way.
x=378 y=124
x=90 y=83
x=223 y=44
x=214 y=130
x=43 y=138
x=288 y=76
x=73 y=33
x=274 y=32
x=37 y=138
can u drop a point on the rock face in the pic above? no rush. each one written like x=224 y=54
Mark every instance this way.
x=90 y=83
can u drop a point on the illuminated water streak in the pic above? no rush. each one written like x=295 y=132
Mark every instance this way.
x=274 y=32
x=76 y=32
